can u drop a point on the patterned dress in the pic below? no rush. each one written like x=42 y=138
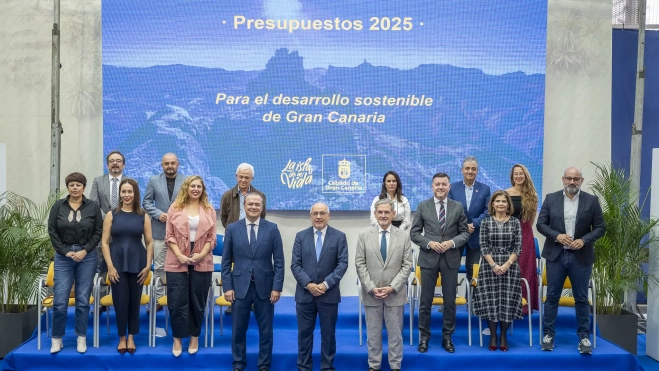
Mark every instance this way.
x=499 y=298
x=526 y=260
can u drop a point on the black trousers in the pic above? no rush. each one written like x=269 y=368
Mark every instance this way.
x=449 y=288
x=187 y=293
x=126 y=296
x=306 y=323
x=264 y=312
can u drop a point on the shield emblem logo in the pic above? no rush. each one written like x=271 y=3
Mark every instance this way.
x=344 y=169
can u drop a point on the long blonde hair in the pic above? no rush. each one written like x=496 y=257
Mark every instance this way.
x=529 y=194
x=182 y=199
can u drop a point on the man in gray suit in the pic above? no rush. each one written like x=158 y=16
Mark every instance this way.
x=160 y=193
x=105 y=191
x=440 y=230
x=384 y=261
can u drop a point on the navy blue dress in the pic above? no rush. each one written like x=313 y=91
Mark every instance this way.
x=126 y=249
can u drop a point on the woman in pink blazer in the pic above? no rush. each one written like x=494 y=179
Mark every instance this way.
x=190 y=236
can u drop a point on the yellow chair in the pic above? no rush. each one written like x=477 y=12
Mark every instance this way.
x=437 y=300
x=473 y=285
x=410 y=300
x=565 y=301
x=220 y=302
x=46 y=301
x=106 y=301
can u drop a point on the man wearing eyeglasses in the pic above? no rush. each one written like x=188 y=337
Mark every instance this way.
x=105 y=191
x=320 y=259
x=572 y=221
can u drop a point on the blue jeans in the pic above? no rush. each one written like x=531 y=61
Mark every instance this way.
x=66 y=272
x=567 y=265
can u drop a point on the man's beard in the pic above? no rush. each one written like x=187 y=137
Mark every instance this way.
x=572 y=190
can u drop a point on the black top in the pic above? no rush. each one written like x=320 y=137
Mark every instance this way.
x=170 y=186
x=127 y=251
x=83 y=226
x=517 y=205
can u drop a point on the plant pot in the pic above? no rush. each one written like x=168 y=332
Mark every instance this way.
x=16 y=328
x=621 y=329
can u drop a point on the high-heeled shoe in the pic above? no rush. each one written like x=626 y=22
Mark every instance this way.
x=121 y=351
x=131 y=350
x=176 y=352
x=493 y=348
x=503 y=348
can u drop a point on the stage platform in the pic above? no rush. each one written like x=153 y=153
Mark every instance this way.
x=350 y=355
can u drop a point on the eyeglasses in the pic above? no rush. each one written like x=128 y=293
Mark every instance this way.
x=115 y=161
x=572 y=179
x=319 y=213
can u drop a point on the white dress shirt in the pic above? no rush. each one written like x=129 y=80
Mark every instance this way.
x=570 y=208
x=249 y=227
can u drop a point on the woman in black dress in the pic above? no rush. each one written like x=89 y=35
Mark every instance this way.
x=128 y=261
x=499 y=294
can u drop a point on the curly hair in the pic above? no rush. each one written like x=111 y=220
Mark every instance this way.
x=182 y=197
x=529 y=194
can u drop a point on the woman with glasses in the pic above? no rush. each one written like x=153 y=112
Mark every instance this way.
x=190 y=236
x=129 y=263
x=75 y=225
x=525 y=204
x=392 y=189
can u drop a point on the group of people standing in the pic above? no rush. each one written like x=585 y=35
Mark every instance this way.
x=177 y=225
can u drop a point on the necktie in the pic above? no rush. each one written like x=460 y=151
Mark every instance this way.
x=383 y=246
x=114 y=194
x=252 y=238
x=319 y=245
x=442 y=216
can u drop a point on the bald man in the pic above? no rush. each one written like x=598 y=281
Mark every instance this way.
x=572 y=221
x=320 y=259
x=160 y=194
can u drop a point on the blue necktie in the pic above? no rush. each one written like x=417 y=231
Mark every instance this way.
x=252 y=238
x=319 y=245
x=383 y=246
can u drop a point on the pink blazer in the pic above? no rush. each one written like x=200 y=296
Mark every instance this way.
x=178 y=232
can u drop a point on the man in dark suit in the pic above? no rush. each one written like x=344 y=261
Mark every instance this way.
x=474 y=197
x=105 y=191
x=440 y=230
x=160 y=193
x=254 y=247
x=572 y=221
x=320 y=259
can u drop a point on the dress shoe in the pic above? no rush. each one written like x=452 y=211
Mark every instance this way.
x=503 y=349
x=263 y=369
x=56 y=345
x=82 y=344
x=423 y=346
x=176 y=352
x=121 y=350
x=102 y=309
x=372 y=369
x=448 y=345
x=193 y=350
x=131 y=350
x=395 y=369
x=493 y=347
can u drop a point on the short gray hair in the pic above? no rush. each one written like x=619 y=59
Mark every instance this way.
x=383 y=201
x=319 y=203
x=575 y=168
x=469 y=159
x=245 y=166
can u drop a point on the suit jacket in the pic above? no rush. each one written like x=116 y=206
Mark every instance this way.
x=230 y=205
x=477 y=210
x=374 y=272
x=425 y=228
x=178 y=232
x=100 y=192
x=589 y=225
x=266 y=264
x=331 y=266
x=156 y=201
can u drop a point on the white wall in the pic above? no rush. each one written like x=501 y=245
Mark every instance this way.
x=577 y=110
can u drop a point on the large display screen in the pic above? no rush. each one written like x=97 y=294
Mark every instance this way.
x=324 y=97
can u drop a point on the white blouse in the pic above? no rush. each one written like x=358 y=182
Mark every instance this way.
x=402 y=208
x=193 y=221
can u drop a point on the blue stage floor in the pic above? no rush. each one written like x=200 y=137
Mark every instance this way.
x=350 y=355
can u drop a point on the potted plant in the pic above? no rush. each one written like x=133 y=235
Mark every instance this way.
x=25 y=252
x=619 y=255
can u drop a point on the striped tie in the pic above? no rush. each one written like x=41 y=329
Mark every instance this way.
x=442 y=216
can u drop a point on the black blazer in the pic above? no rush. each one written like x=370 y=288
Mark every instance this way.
x=589 y=225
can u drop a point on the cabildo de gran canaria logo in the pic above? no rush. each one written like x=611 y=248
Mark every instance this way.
x=298 y=174
x=343 y=174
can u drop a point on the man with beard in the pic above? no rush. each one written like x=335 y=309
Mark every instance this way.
x=160 y=193
x=572 y=221
x=105 y=191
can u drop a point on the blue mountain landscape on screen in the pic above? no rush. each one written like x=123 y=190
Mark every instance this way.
x=152 y=110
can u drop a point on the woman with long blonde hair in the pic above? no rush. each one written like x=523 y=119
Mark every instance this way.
x=525 y=203
x=190 y=236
